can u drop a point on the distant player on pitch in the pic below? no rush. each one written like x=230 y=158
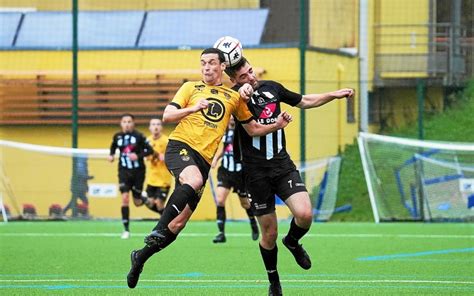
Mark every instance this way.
x=229 y=176
x=133 y=147
x=157 y=175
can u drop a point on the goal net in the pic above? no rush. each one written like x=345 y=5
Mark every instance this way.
x=414 y=180
x=321 y=178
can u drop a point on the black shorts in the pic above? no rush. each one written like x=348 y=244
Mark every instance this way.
x=131 y=180
x=232 y=180
x=156 y=192
x=180 y=155
x=263 y=183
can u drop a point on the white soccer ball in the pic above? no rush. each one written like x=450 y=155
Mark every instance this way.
x=232 y=49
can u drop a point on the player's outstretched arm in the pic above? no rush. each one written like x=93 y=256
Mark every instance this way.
x=172 y=114
x=316 y=100
x=255 y=129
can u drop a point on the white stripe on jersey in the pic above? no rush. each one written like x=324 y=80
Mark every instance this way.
x=269 y=140
x=280 y=140
x=256 y=142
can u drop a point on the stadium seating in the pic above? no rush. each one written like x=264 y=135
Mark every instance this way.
x=131 y=29
x=8 y=26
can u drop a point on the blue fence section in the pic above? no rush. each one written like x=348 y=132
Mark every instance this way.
x=130 y=29
x=202 y=28
x=9 y=22
x=96 y=29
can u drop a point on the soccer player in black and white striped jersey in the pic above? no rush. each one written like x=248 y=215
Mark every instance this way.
x=133 y=147
x=229 y=176
x=268 y=168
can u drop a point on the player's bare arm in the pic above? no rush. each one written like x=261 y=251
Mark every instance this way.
x=172 y=114
x=317 y=100
x=255 y=129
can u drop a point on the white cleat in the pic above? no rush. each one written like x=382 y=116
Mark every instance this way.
x=125 y=235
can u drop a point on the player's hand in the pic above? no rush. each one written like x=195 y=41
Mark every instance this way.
x=214 y=163
x=111 y=158
x=284 y=119
x=246 y=92
x=344 y=93
x=133 y=156
x=202 y=104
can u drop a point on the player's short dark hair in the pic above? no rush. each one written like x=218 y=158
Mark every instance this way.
x=127 y=115
x=219 y=53
x=231 y=71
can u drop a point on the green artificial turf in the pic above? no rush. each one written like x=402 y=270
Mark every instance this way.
x=89 y=258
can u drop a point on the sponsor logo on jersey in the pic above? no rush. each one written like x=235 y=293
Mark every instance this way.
x=199 y=87
x=268 y=111
x=184 y=154
x=215 y=111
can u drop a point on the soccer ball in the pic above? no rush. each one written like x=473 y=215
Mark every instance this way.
x=232 y=49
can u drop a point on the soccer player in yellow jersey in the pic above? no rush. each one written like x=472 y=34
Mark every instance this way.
x=202 y=110
x=158 y=177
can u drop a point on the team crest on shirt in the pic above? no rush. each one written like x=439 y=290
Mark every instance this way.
x=214 y=91
x=227 y=96
x=184 y=154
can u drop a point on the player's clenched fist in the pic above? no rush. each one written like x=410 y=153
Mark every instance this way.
x=202 y=104
x=246 y=91
x=283 y=119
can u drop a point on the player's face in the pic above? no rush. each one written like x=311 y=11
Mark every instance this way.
x=246 y=75
x=127 y=124
x=155 y=127
x=211 y=68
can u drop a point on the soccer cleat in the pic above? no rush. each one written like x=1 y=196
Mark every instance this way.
x=254 y=231
x=275 y=289
x=301 y=257
x=154 y=238
x=135 y=270
x=220 y=238
x=125 y=235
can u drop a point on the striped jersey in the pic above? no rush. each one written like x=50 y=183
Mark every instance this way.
x=265 y=106
x=130 y=142
x=229 y=162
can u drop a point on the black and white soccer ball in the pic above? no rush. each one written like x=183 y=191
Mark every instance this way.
x=232 y=49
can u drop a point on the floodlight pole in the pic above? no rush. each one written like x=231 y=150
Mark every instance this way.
x=74 y=73
x=302 y=47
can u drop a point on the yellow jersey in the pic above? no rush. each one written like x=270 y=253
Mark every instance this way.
x=203 y=130
x=157 y=173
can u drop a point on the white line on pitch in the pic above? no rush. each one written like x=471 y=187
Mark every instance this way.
x=241 y=281
x=343 y=235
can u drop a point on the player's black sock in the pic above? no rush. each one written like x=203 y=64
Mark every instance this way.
x=148 y=251
x=125 y=217
x=251 y=216
x=295 y=233
x=221 y=217
x=270 y=260
x=175 y=205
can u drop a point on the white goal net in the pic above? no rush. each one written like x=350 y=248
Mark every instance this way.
x=414 y=180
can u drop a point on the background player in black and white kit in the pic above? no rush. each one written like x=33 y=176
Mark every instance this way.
x=268 y=168
x=133 y=148
x=229 y=176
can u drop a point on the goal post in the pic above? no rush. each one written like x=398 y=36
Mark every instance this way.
x=414 y=180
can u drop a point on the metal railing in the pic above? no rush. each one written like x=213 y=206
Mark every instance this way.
x=439 y=51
